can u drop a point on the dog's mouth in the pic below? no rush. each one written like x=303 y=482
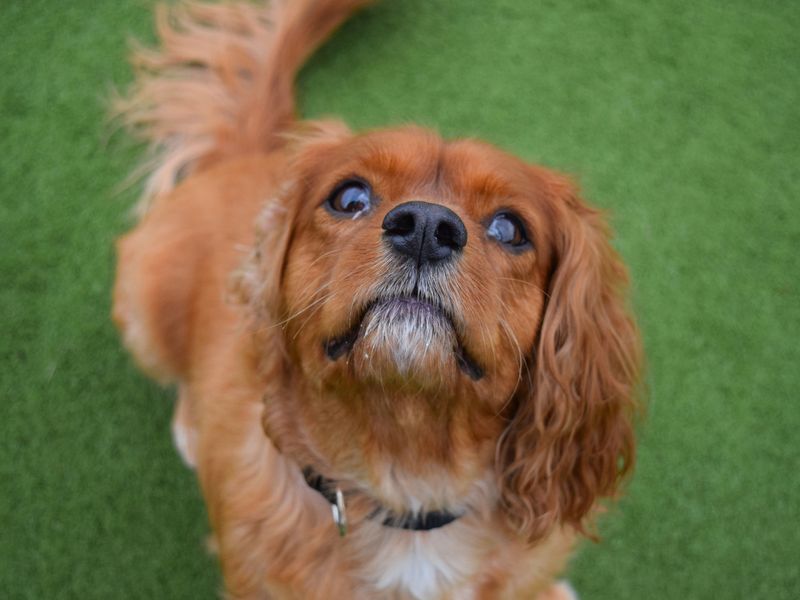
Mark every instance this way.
x=407 y=324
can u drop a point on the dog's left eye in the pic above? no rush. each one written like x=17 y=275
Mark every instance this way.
x=507 y=229
x=350 y=198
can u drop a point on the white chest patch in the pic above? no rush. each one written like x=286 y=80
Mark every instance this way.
x=425 y=564
x=430 y=564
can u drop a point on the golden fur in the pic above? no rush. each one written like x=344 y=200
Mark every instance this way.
x=237 y=276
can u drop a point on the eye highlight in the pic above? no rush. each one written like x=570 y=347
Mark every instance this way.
x=507 y=229
x=350 y=198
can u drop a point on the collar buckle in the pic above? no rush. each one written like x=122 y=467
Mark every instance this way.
x=339 y=513
x=424 y=521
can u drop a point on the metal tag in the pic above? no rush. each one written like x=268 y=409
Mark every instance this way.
x=339 y=514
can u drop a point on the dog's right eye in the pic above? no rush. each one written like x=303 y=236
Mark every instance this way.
x=350 y=198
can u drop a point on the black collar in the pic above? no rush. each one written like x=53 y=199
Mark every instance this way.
x=414 y=521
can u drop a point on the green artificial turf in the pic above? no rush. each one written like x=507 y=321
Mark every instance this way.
x=681 y=118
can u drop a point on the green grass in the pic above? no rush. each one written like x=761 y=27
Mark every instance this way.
x=683 y=119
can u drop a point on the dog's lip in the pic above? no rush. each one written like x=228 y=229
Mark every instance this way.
x=340 y=345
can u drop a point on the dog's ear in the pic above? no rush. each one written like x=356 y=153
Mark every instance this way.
x=258 y=282
x=570 y=439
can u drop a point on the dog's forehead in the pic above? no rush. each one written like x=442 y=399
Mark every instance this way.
x=410 y=154
x=423 y=161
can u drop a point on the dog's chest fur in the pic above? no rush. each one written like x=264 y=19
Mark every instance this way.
x=429 y=564
x=422 y=564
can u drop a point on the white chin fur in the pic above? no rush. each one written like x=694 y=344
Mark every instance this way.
x=407 y=338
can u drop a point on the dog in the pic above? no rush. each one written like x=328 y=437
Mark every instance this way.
x=406 y=366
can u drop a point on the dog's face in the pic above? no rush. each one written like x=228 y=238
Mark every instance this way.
x=446 y=312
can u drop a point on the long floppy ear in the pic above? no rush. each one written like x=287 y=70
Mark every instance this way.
x=570 y=440
x=258 y=281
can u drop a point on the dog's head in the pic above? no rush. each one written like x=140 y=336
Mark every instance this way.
x=434 y=311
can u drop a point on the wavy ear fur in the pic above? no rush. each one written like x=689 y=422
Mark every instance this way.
x=570 y=440
x=258 y=282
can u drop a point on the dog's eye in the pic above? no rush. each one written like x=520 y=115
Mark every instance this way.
x=507 y=229
x=350 y=198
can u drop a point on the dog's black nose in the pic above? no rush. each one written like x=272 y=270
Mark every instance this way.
x=426 y=232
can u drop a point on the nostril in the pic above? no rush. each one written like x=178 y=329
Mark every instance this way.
x=447 y=234
x=402 y=223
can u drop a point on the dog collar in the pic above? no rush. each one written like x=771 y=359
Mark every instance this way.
x=327 y=488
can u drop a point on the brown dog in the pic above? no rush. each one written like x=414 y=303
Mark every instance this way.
x=405 y=366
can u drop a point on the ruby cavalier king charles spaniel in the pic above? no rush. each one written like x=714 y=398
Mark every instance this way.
x=405 y=365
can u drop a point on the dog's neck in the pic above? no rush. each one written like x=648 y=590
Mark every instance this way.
x=411 y=520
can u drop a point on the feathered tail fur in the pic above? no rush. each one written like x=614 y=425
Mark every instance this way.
x=222 y=82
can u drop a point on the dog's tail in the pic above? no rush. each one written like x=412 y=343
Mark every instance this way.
x=222 y=82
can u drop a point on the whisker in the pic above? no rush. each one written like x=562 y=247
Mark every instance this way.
x=321 y=256
x=313 y=313
x=316 y=292
x=302 y=310
x=533 y=285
